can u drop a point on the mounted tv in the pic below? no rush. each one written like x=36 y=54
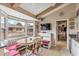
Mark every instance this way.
x=46 y=26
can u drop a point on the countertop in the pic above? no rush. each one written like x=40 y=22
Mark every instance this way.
x=74 y=37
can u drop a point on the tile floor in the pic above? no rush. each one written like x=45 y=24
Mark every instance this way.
x=59 y=50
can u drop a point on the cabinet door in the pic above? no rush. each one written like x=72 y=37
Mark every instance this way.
x=77 y=49
x=73 y=48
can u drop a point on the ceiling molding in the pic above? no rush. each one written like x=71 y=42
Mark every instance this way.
x=36 y=8
x=48 y=9
x=15 y=6
x=53 y=10
x=11 y=12
x=24 y=11
x=46 y=12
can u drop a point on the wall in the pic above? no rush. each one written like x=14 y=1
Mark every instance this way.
x=77 y=6
x=69 y=11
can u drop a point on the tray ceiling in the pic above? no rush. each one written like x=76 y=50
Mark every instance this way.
x=36 y=8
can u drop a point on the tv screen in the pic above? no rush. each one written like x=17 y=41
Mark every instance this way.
x=46 y=26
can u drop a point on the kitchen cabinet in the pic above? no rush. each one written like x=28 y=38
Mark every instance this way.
x=75 y=48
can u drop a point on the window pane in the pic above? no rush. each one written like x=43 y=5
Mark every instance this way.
x=30 y=29
x=15 y=28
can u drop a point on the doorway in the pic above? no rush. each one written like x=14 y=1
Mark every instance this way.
x=61 y=30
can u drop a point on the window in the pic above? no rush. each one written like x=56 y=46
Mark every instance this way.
x=15 y=28
x=30 y=29
x=10 y=29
